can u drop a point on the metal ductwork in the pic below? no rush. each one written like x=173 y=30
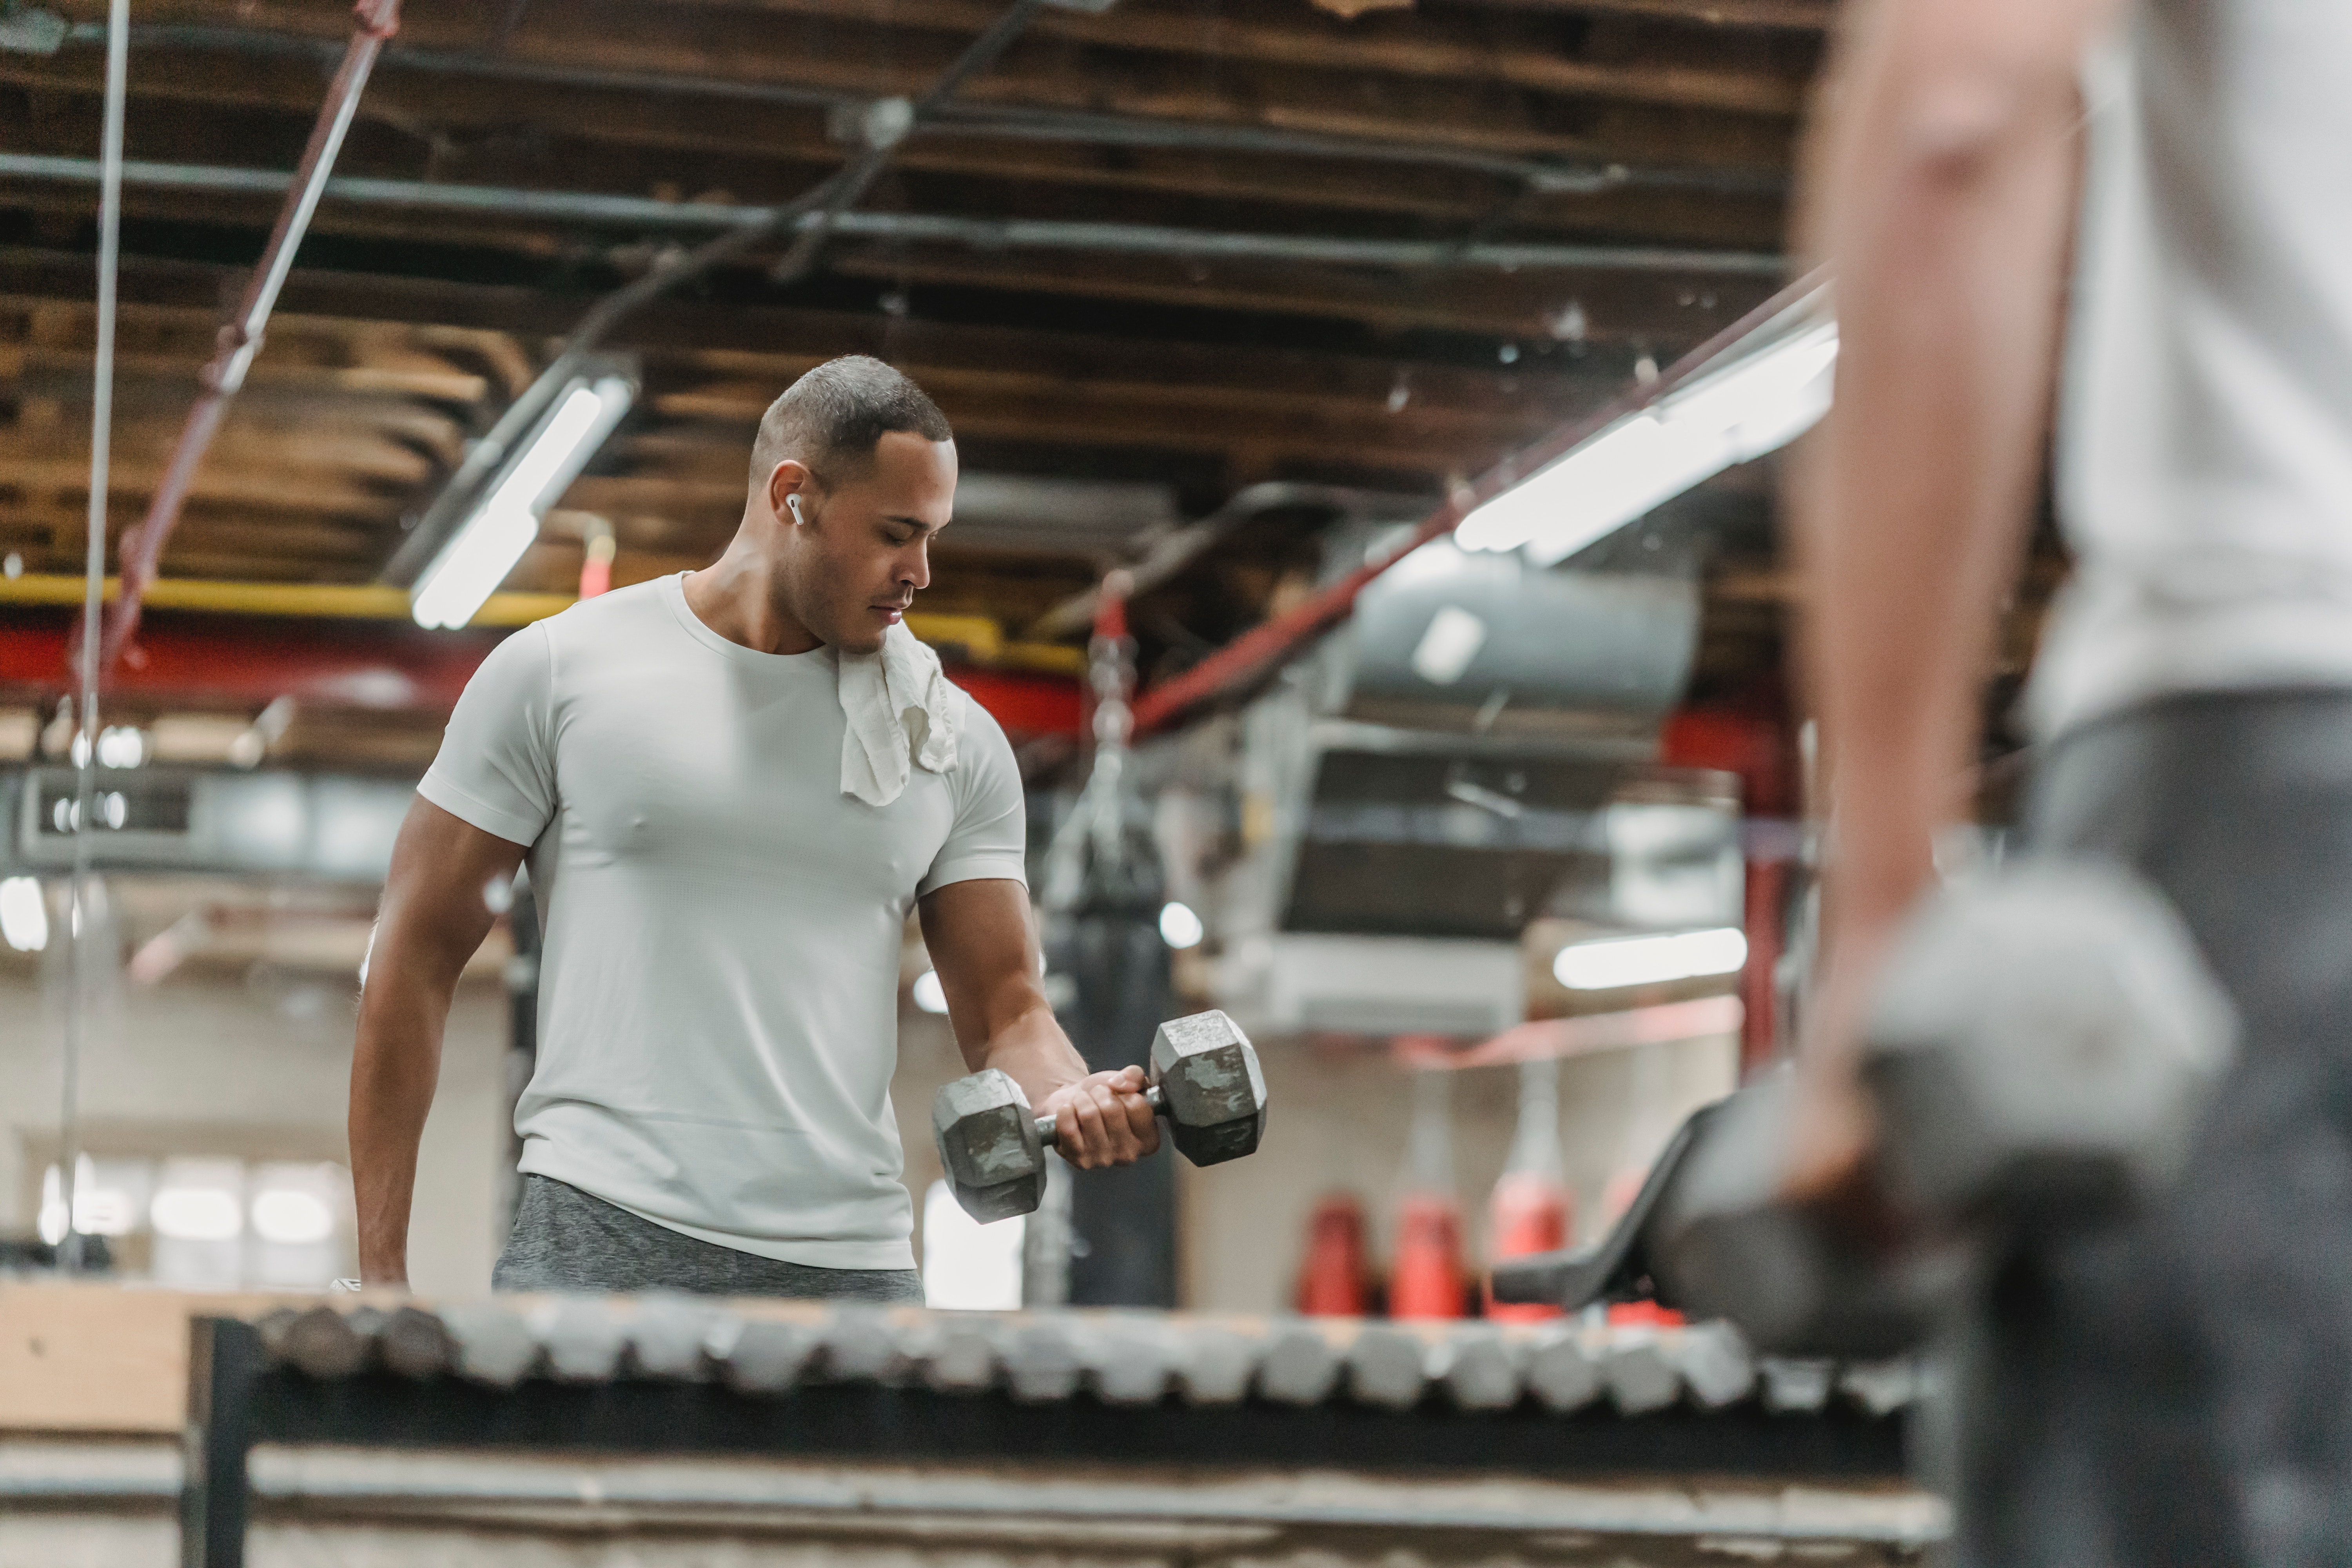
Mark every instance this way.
x=1448 y=755
x=1457 y=642
x=1459 y=751
x=325 y=826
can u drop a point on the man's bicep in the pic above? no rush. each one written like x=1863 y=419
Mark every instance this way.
x=438 y=891
x=985 y=949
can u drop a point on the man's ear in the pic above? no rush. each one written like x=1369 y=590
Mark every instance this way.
x=786 y=482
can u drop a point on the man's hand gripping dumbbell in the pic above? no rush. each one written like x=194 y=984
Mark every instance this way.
x=1205 y=1079
x=2036 y=1056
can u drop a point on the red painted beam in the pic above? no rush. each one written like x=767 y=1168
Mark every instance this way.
x=204 y=661
x=247 y=663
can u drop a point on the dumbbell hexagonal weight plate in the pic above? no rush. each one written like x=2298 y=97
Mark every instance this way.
x=989 y=1145
x=1212 y=1090
x=2042 y=1043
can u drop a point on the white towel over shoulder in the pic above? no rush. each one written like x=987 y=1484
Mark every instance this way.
x=902 y=710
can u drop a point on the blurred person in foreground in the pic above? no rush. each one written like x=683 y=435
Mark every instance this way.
x=2180 y=1392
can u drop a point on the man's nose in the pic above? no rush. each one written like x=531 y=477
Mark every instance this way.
x=915 y=566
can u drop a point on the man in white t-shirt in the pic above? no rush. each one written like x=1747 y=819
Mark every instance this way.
x=2177 y=1389
x=732 y=786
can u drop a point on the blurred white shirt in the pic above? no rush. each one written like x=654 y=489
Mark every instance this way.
x=2205 y=457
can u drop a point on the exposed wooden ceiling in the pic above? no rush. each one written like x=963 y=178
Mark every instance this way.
x=1652 y=134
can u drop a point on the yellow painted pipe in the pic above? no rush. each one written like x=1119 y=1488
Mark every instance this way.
x=981 y=640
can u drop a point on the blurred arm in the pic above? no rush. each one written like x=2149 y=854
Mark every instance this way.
x=985 y=951
x=434 y=917
x=1940 y=190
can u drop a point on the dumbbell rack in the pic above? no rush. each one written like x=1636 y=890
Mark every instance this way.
x=241 y=1395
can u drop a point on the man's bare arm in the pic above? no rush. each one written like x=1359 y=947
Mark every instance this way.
x=435 y=915
x=1940 y=191
x=984 y=950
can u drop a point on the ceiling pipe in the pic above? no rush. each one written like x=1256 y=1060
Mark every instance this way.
x=1256 y=654
x=1172 y=553
x=1542 y=176
x=974 y=233
x=240 y=338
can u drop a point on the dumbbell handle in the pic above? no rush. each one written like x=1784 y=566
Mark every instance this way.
x=1045 y=1125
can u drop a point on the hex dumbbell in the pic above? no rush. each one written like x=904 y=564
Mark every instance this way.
x=1205 y=1079
x=2039 y=1050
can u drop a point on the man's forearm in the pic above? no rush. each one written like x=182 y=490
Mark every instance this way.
x=1034 y=1051
x=396 y=1064
x=1946 y=180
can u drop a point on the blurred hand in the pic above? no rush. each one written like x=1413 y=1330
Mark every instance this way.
x=1836 y=1129
x=1102 y=1120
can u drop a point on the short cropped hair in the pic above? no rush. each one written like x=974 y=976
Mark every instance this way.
x=833 y=417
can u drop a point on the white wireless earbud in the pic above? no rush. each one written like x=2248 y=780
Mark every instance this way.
x=793 y=502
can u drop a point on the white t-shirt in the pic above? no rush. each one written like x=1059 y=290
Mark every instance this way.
x=2205 y=460
x=717 y=1002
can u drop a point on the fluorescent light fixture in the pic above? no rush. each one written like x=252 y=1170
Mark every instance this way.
x=1618 y=962
x=1768 y=391
x=494 y=534
x=969 y=1265
x=197 y=1214
x=120 y=746
x=928 y=993
x=1180 y=927
x=290 y=1217
x=24 y=914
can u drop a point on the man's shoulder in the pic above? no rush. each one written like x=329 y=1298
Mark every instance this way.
x=619 y=620
x=981 y=746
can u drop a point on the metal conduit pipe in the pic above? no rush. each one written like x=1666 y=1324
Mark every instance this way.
x=1172 y=552
x=1540 y=174
x=141 y=551
x=980 y=234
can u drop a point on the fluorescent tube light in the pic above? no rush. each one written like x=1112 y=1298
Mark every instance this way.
x=24 y=914
x=1650 y=960
x=492 y=539
x=1761 y=399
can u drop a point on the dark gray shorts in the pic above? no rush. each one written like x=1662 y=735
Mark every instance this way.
x=565 y=1240
x=2180 y=1392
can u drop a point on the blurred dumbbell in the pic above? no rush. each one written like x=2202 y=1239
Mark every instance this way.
x=2041 y=1045
x=1205 y=1079
x=1795 y=1279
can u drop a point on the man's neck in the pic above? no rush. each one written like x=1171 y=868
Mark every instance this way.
x=740 y=597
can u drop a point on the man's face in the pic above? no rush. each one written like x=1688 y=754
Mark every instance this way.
x=861 y=548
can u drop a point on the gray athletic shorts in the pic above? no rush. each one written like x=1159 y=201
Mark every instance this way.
x=565 y=1240
x=2178 y=1392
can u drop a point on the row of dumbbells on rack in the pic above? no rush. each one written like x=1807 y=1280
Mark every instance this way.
x=1118 y=1358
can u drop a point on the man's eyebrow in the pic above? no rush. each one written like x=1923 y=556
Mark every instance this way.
x=914 y=522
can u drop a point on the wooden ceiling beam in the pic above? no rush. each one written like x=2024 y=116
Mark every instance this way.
x=631 y=143
x=283 y=487
x=1419 y=44
x=1796 y=16
x=687 y=346
x=1526 y=306
x=1647 y=310
x=869 y=58
x=1521 y=307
